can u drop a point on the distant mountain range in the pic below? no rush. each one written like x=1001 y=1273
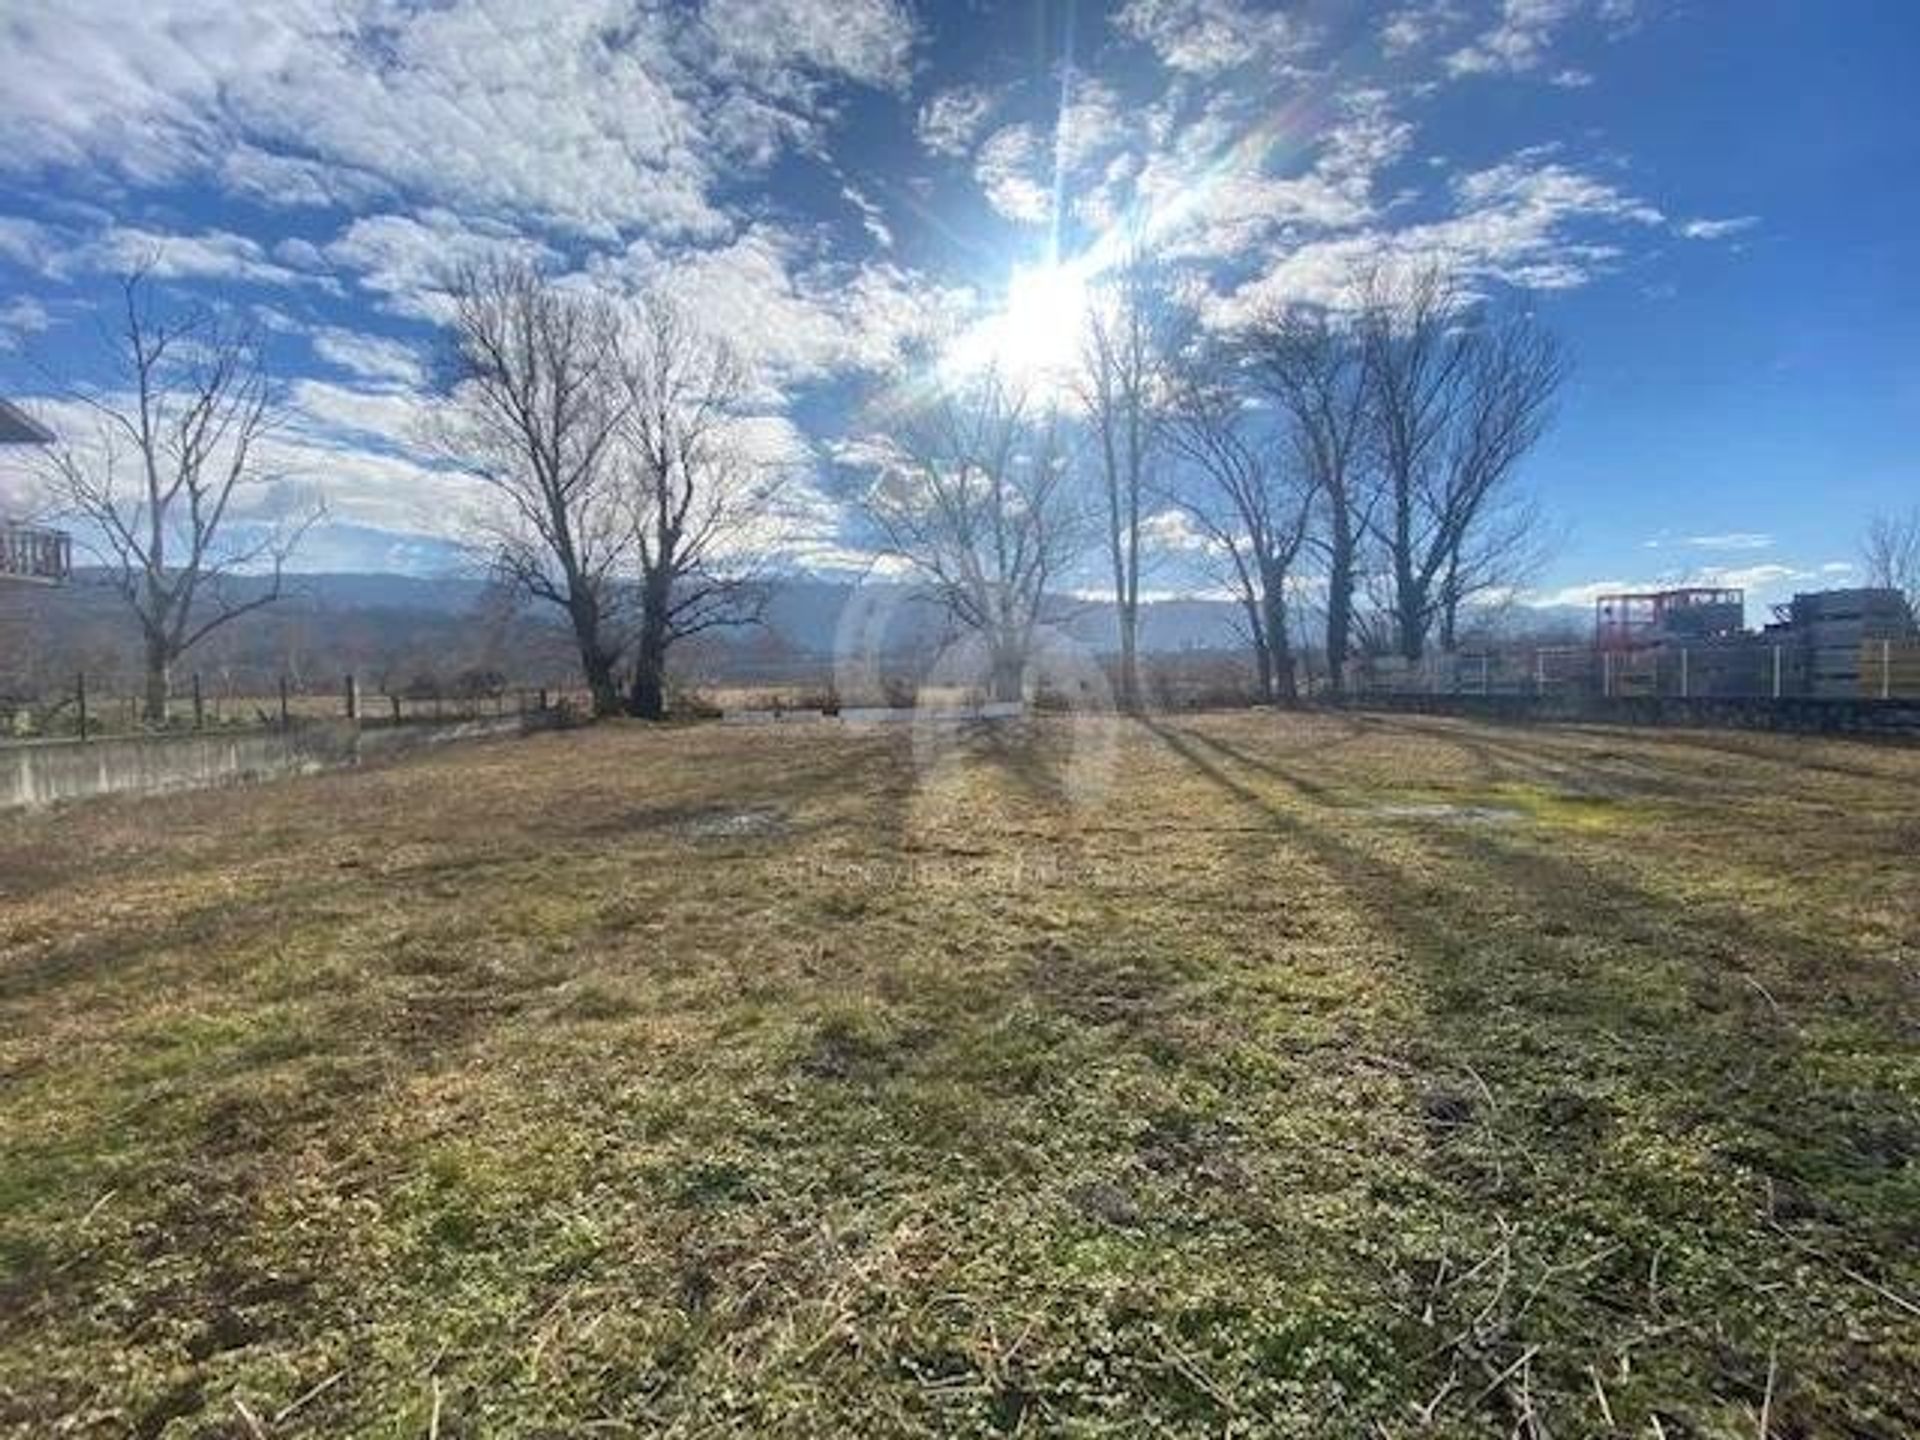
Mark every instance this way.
x=396 y=628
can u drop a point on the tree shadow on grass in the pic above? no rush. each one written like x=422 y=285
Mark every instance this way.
x=1590 y=1005
x=229 y=1127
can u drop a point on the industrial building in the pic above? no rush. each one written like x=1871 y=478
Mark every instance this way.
x=1693 y=642
x=1844 y=643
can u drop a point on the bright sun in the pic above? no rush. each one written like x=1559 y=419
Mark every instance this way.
x=1034 y=337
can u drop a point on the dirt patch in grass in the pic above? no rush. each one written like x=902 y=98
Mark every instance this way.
x=1460 y=814
x=760 y=1081
x=751 y=822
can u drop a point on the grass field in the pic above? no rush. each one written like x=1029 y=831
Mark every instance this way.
x=1324 y=1076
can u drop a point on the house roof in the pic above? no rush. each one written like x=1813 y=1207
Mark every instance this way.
x=19 y=428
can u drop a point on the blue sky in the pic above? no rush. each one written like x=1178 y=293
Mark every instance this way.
x=1714 y=204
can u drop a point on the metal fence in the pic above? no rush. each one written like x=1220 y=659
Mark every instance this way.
x=1752 y=670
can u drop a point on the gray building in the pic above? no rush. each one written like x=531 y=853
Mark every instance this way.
x=30 y=553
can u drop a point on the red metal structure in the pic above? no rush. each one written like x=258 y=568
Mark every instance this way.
x=1636 y=620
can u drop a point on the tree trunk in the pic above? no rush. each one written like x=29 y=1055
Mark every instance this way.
x=1280 y=684
x=1262 y=656
x=648 y=699
x=583 y=609
x=1009 y=667
x=1412 y=618
x=1450 y=606
x=1339 y=605
x=601 y=686
x=159 y=682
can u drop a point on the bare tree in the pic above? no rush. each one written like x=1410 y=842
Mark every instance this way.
x=1509 y=547
x=539 y=404
x=1122 y=383
x=1457 y=398
x=1312 y=367
x=972 y=490
x=180 y=439
x=1250 y=495
x=1891 y=550
x=694 y=496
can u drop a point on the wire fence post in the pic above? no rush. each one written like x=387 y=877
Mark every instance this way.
x=1886 y=669
x=1776 y=672
x=394 y=701
x=199 y=704
x=353 y=699
x=1685 y=680
x=284 y=721
x=80 y=695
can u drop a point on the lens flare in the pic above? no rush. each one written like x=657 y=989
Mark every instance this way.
x=1033 y=337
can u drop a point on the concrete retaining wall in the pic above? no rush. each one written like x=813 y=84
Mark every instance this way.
x=44 y=772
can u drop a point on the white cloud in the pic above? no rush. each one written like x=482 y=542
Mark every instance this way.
x=870 y=216
x=1717 y=229
x=1763 y=583
x=1007 y=168
x=869 y=41
x=587 y=115
x=1526 y=222
x=794 y=319
x=1584 y=594
x=1723 y=540
x=21 y=318
x=1175 y=530
x=1206 y=37
x=1523 y=37
x=952 y=120
x=1753 y=577
x=1415 y=26
x=390 y=415
x=371 y=357
x=1213 y=197
x=1518 y=41
x=406 y=258
x=205 y=255
x=315 y=454
x=1091 y=123
x=27 y=243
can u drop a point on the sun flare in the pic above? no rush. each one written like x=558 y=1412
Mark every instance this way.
x=1034 y=337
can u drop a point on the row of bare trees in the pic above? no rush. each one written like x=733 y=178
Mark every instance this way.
x=1363 y=462
x=608 y=431
x=1356 y=464
x=1349 y=473
x=1360 y=463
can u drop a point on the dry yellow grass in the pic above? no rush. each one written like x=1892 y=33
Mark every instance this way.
x=1317 y=1076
